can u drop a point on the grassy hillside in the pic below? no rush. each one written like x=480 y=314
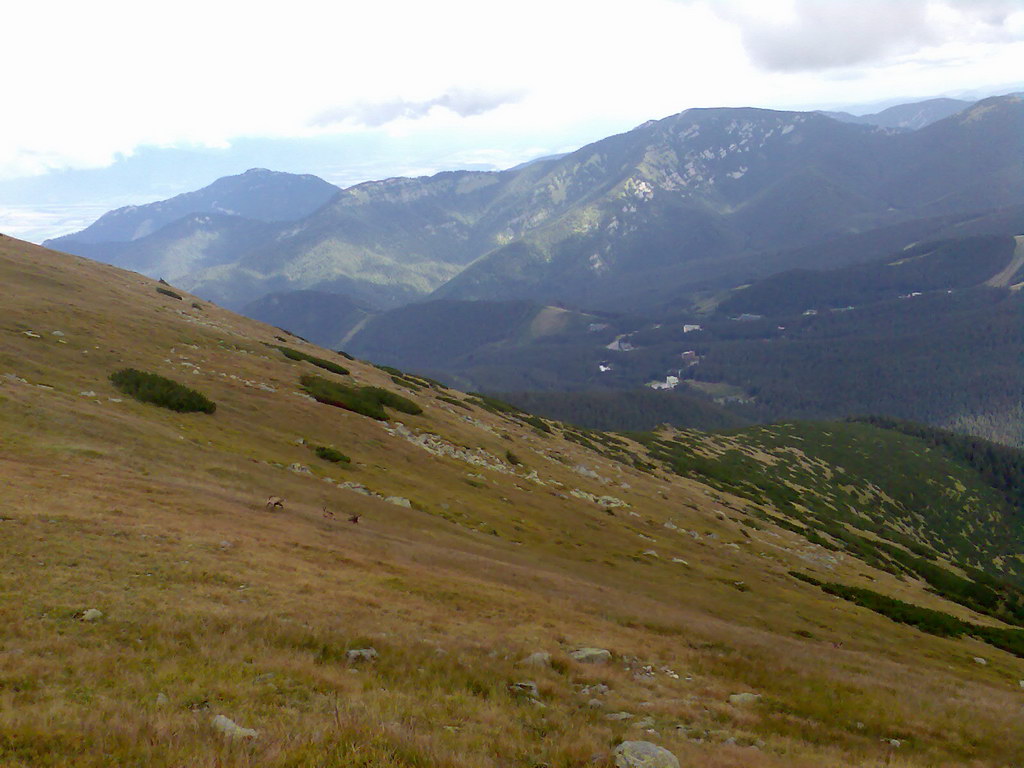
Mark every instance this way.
x=152 y=588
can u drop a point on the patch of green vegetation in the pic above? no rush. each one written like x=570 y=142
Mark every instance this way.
x=537 y=423
x=846 y=479
x=367 y=401
x=331 y=454
x=327 y=365
x=158 y=390
x=455 y=402
x=492 y=404
x=168 y=292
x=925 y=619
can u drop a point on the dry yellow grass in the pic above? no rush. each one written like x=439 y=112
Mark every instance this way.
x=220 y=606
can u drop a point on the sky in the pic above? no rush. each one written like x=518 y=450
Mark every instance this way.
x=405 y=86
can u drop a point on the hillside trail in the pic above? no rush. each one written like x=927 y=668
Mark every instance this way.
x=1003 y=278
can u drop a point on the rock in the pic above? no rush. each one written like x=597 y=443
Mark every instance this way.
x=650 y=553
x=161 y=699
x=894 y=743
x=32 y=334
x=225 y=544
x=1020 y=683
x=979 y=660
x=231 y=729
x=87 y=393
x=744 y=698
x=643 y=754
x=56 y=333
x=597 y=688
x=595 y=704
x=399 y=501
x=300 y=469
x=92 y=614
x=536 y=659
x=591 y=655
x=618 y=716
x=361 y=654
x=527 y=688
x=644 y=722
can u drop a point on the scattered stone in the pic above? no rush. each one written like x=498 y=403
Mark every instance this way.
x=361 y=654
x=399 y=501
x=92 y=614
x=56 y=333
x=645 y=722
x=32 y=334
x=536 y=659
x=894 y=743
x=595 y=704
x=744 y=698
x=225 y=544
x=1020 y=683
x=618 y=716
x=643 y=754
x=161 y=699
x=87 y=393
x=979 y=660
x=231 y=729
x=598 y=688
x=300 y=469
x=527 y=688
x=650 y=553
x=591 y=655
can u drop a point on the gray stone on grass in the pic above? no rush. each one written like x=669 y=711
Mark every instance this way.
x=591 y=655
x=399 y=501
x=92 y=614
x=536 y=659
x=643 y=754
x=744 y=698
x=618 y=716
x=161 y=699
x=231 y=729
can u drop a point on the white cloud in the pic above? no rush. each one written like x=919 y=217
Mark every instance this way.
x=106 y=77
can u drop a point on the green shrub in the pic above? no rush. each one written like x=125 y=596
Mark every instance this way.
x=330 y=454
x=538 y=423
x=367 y=401
x=457 y=403
x=327 y=365
x=155 y=389
x=168 y=292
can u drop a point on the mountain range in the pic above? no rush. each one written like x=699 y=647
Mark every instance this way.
x=527 y=280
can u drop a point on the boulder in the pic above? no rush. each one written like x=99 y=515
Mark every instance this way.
x=979 y=660
x=231 y=729
x=399 y=501
x=643 y=754
x=592 y=655
x=92 y=614
x=536 y=659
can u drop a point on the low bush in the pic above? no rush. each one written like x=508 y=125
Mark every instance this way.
x=169 y=292
x=367 y=401
x=158 y=390
x=319 y=362
x=330 y=454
